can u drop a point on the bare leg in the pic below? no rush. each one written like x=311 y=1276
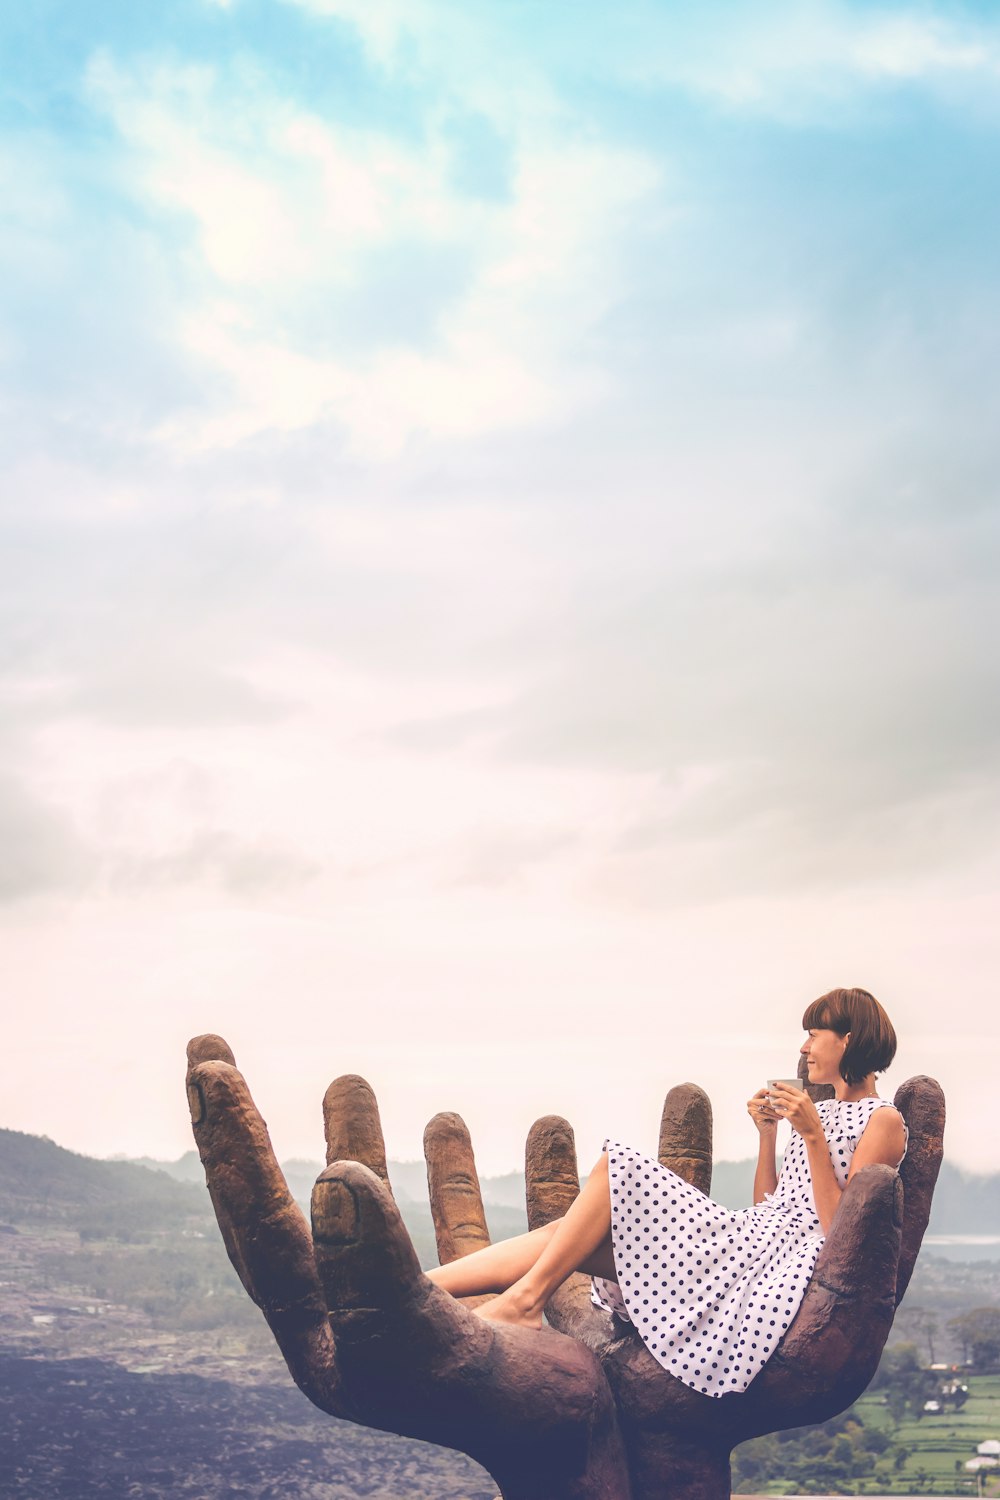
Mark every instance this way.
x=494 y=1268
x=581 y=1242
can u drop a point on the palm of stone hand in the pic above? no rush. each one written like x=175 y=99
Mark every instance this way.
x=574 y=1412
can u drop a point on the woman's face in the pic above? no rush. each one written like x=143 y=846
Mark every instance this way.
x=823 y=1050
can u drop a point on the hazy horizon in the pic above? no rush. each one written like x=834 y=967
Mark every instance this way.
x=499 y=545
x=417 y=1163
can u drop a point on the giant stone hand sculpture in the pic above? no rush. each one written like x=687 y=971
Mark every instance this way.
x=577 y=1411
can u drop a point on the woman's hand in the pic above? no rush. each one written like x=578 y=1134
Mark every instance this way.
x=760 y=1111
x=795 y=1106
x=765 y=1178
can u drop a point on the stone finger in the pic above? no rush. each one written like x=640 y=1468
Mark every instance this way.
x=686 y=1135
x=453 y=1185
x=264 y=1230
x=921 y=1103
x=552 y=1183
x=418 y=1362
x=353 y=1126
x=364 y=1255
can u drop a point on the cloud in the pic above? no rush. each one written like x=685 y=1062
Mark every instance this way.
x=167 y=825
x=776 y=58
x=42 y=851
x=150 y=689
x=812 y=719
x=506 y=856
x=241 y=867
x=621 y=452
x=807 y=705
x=914 y=46
x=384 y=25
x=512 y=499
x=443 y=731
x=293 y=213
x=788 y=61
x=156 y=831
x=768 y=830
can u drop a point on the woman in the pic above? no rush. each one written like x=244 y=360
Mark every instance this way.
x=710 y=1290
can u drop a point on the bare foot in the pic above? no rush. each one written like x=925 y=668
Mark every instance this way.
x=512 y=1306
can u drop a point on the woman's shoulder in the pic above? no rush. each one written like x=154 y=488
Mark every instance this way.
x=886 y=1123
x=886 y=1113
x=870 y=1105
x=854 y=1112
x=852 y=1117
x=882 y=1108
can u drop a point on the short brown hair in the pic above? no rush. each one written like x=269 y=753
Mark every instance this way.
x=873 y=1041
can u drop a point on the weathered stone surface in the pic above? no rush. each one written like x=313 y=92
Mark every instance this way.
x=921 y=1103
x=686 y=1135
x=352 y=1124
x=453 y=1188
x=577 y=1411
x=550 y=1171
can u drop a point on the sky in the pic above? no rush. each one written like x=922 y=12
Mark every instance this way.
x=498 y=555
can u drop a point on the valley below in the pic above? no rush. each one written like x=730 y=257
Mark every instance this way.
x=133 y=1366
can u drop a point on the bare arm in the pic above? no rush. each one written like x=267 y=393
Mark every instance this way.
x=882 y=1141
x=825 y=1187
x=765 y=1178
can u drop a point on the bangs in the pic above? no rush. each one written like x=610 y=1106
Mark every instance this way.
x=824 y=1015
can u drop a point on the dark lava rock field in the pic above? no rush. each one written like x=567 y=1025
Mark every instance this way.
x=79 y=1429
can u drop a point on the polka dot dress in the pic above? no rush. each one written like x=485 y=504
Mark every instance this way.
x=710 y=1290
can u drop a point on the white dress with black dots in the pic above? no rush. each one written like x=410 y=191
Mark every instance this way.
x=711 y=1290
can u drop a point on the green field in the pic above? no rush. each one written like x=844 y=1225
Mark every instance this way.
x=866 y=1453
x=938 y=1445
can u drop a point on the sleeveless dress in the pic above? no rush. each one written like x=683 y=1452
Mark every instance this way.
x=710 y=1290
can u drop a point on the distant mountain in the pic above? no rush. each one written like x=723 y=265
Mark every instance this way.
x=186 y=1168
x=39 y=1178
x=964 y=1202
x=732 y=1181
x=408 y=1178
x=41 y=1182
